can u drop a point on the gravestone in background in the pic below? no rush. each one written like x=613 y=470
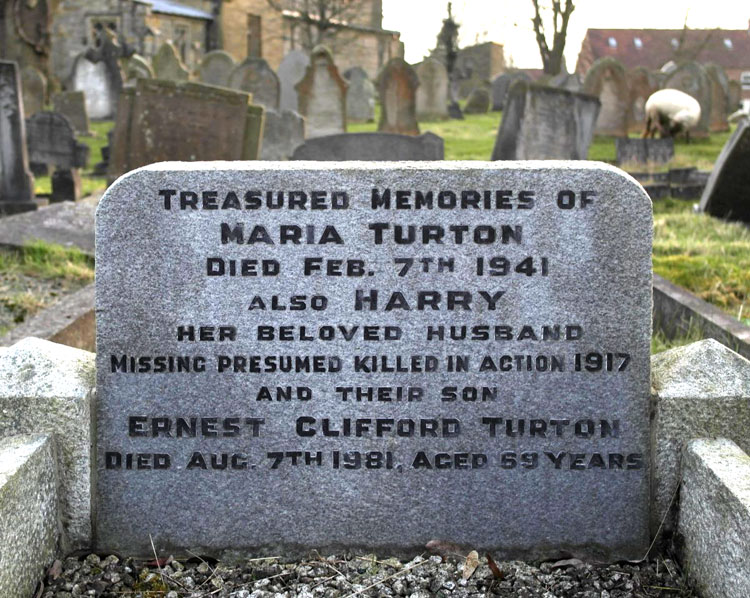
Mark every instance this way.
x=644 y=151
x=256 y=77
x=167 y=64
x=72 y=105
x=397 y=86
x=501 y=85
x=360 y=96
x=216 y=67
x=356 y=374
x=34 y=90
x=51 y=141
x=719 y=98
x=606 y=79
x=692 y=78
x=164 y=120
x=322 y=96
x=545 y=123
x=727 y=192
x=641 y=84
x=376 y=147
x=138 y=68
x=283 y=132
x=569 y=81
x=478 y=102
x=735 y=95
x=91 y=78
x=291 y=71
x=432 y=93
x=16 y=182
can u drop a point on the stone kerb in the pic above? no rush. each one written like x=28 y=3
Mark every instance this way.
x=255 y=469
x=48 y=388
x=701 y=390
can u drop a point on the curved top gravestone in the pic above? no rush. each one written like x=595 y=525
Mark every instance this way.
x=397 y=86
x=291 y=71
x=641 y=84
x=501 y=85
x=91 y=78
x=692 y=78
x=138 y=68
x=51 y=140
x=360 y=95
x=432 y=93
x=606 y=79
x=373 y=147
x=719 y=97
x=279 y=364
x=167 y=64
x=322 y=95
x=255 y=76
x=216 y=67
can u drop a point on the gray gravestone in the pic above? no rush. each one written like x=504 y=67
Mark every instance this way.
x=283 y=132
x=256 y=77
x=377 y=147
x=291 y=71
x=501 y=402
x=138 y=68
x=501 y=85
x=432 y=93
x=692 y=78
x=478 y=102
x=607 y=80
x=322 y=95
x=16 y=182
x=91 y=78
x=34 y=90
x=72 y=105
x=360 y=95
x=167 y=64
x=727 y=192
x=397 y=88
x=545 y=123
x=216 y=67
x=719 y=97
x=644 y=151
x=641 y=84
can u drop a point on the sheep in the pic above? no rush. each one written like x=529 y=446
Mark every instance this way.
x=671 y=111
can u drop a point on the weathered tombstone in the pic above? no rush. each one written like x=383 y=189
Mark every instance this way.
x=108 y=53
x=165 y=120
x=693 y=79
x=432 y=93
x=735 y=95
x=727 y=192
x=644 y=151
x=216 y=67
x=501 y=85
x=499 y=424
x=641 y=84
x=72 y=105
x=545 y=123
x=360 y=95
x=719 y=98
x=283 y=132
x=606 y=80
x=375 y=147
x=322 y=96
x=139 y=68
x=16 y=182
x=91 y=78
x=291 y=71
x=256 y=77
x=478 y=102
x=51 y=140
x=397 y=85
x=167 y=65
x=34 y=90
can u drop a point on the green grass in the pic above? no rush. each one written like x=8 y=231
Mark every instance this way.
x=89 y=184
x=39 y=259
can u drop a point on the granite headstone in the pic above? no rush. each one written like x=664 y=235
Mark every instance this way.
x=216 y=67
x=72 y=105
x=16 y=182
x=397 y=86
x=545 y=123
x=360 y=96
x=606 y=79
x=322 y=95
x=291 y=71
x=375 y=147
x=373 y=378
x=283 y=132
x=257 y=78
x=432 y=93
x=727 y=192
x=167 y=64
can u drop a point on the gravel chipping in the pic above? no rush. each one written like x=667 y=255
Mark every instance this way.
x=348 y=576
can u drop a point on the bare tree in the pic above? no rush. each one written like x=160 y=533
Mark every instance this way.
x=552 y=58
x=322 y=21
x=687 y=50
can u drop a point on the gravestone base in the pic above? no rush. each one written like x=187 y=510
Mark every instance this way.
x=66 y=185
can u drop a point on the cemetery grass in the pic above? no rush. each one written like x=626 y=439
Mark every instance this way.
x=89 y=183
x=37 y=275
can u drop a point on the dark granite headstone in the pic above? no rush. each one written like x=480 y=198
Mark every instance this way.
x=256 y=77
x=545 y=123
x=644 y=151
x=72 y=105
x=321 y=94
x=727 y=192
x=606 y=79
x=16 y=182
x=165 y=120
x=417 y=351
x=375 y=147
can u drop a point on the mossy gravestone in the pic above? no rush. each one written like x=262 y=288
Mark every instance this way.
x=377 y=355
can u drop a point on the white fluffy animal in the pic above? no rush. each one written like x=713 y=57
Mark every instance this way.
x=670 y=112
